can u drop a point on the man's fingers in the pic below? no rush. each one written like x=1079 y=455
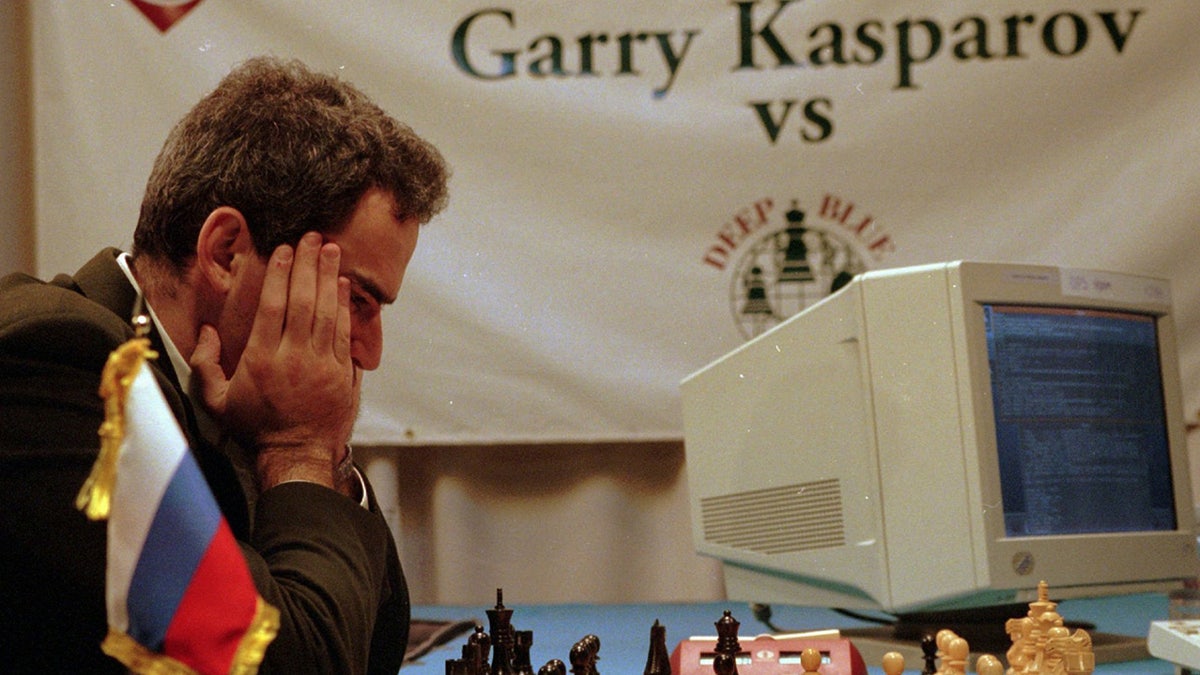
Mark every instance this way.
x=325 y=318
x=302 y=291
x=206 y=367
x=273 y=300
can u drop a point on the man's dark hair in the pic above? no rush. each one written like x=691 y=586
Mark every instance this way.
x=293 y=151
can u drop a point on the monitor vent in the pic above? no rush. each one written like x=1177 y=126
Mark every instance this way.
x=787 y=519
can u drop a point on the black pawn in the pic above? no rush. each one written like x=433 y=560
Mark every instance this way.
x=929 y=653
x=477 y=650
x=593 y=648
x=553 y=667
x=658 y=661
x=724 y=664
x=579 y=659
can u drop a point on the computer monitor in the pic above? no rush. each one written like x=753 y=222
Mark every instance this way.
x=946 y=436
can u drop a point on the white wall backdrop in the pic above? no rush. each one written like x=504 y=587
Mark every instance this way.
x=609 y=189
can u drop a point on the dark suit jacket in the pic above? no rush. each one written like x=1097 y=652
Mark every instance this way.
x=327 y=564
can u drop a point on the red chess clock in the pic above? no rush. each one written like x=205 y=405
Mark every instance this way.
x=770 y=655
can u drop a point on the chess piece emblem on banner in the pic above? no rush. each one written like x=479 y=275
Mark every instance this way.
x=790 y=267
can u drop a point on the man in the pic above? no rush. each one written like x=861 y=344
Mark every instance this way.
x=278 y=221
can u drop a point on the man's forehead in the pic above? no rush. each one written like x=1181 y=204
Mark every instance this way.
x=376 y=246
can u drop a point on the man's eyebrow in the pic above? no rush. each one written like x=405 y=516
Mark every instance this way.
x=370 y=288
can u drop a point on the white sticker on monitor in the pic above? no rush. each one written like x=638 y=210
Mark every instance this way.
x=1031 y=275
x=1111 y=286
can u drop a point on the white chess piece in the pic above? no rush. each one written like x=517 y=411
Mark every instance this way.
x=893 y=663
x=810 y=660
x=988 y=665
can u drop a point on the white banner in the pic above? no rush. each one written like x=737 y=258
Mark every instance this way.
x=626 y=173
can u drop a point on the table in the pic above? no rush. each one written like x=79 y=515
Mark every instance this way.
x=624 y=630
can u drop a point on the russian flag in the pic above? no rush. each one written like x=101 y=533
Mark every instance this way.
x=178 y=588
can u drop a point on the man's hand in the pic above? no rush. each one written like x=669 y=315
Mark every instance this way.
x=293 y=395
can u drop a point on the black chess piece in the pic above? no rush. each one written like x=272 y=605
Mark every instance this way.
x=592 y=644
x=500 y=627
x=929 y=653
x=474 y=655
x=724 y=664
x=478 y=649
x=553 y=667
x=584 y=655
x=579 y=659
x=522 y=643
x=728 y=647
x=658 y=661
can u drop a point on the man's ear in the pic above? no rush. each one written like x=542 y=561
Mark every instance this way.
x=223 y=237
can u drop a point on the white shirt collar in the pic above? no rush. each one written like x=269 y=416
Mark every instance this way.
x=182 y=370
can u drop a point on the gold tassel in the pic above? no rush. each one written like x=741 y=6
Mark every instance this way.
x=258 y=637
x=138 y=659
x=95 y=498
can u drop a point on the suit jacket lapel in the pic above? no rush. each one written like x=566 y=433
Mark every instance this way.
x=103 y=281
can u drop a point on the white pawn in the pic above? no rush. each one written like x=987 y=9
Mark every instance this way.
x=989 y=665
x=893 y=663
x=942 y=640
x=810 y=660
x=957 y=651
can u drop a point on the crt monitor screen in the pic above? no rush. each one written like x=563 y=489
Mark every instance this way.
x=1081 y=431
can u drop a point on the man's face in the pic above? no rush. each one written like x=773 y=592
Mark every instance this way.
x=376 y=249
